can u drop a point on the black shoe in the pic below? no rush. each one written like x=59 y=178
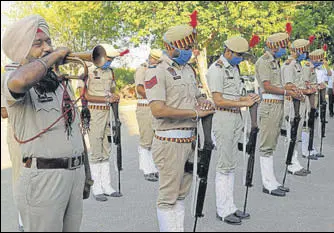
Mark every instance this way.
x=240 y=214
x=230 y=219
x=318 y=155
x=20 y=228
x=100 y=197
x=284 y=189
x=312 y=157
x=298 y=173
x=331 y=114
x=156 y=175
x=276 y=192
x=114 y=194
x=150 y=177
x=306 y=171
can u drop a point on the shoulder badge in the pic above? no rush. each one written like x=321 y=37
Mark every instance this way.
x=171 y=71
x=151 y=83
x=307 y=64
x=219 y=63
x=12 y=66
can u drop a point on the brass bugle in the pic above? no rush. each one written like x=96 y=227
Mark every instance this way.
x=97 y=56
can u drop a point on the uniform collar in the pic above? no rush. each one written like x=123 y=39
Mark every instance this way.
x=225 y=62
x=171 y=62
x=271 y=57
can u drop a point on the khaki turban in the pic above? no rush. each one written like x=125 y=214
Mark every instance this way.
x=18 y=38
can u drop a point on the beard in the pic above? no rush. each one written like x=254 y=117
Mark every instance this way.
x=49 y=83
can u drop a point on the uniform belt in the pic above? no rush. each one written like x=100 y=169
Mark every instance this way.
x=289 y=98
x=142 y=105
x=142 y=101
x=234 y=110
x=272 y=96
x=175 y=133
x=59 y=163
x=177 y=140
x=271 y=101
x=99 y=107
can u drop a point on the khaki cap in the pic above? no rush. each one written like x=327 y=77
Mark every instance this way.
x=237 y=44
x=179 y=36
x=317 y=54
x=300 y=45
x=156 y=54
x=277 y=40
x=110 y=50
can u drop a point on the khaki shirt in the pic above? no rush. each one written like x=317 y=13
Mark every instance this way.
x=29 y=117
x=140 y=77
x=100 y=82
x=267 y=69
x=225 y=79
x=308 y=73
x=176 y=86
x=292 y=73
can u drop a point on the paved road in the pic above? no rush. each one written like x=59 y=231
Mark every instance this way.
x=308 y=207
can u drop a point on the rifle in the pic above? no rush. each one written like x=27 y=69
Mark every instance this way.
x=116 y=132
x=322 y=104
x=88 y=176
x=311 y=127
x=250 y=149
x=203 y=169
x=293 y=137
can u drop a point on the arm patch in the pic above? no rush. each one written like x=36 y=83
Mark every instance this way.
x=151 y=83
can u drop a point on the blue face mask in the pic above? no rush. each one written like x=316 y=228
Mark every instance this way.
x=317 y=64
x=184 y=56
x=235 y=60
x=280 y=53
x=106 y=65
x=301 y=57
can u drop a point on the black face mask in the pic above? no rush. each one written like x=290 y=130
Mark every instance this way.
x=49 y=83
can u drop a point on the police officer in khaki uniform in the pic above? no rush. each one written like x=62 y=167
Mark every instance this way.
x=49 y=190
x=100 y=92
x=292 y=76
x=225 y=85
x=310 y=78
x=144 y=119
x=175 y=103
x=268 y=75
x=13 y=145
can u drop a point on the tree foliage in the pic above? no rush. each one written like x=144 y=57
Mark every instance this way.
x=81 y=25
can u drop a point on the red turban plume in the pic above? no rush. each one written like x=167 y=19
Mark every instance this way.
x=193 y=18
x=311 y=39
x=124 y=52
x=254 y=41
x=288 y=28
x=325 y=47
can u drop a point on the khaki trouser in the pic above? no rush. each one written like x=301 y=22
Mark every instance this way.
x=98 y=135
x=50 y=200
x=144 y=119
x=174 y=182
x=227 y=127
x=14 y=153
x=271 y=116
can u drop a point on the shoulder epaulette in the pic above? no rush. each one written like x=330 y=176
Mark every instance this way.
x=265 y=56
x=12 y=66
x=219 y=63
x=144 y=65
x=307 y=64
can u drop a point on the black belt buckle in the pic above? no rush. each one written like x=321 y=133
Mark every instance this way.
x=74 y=163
